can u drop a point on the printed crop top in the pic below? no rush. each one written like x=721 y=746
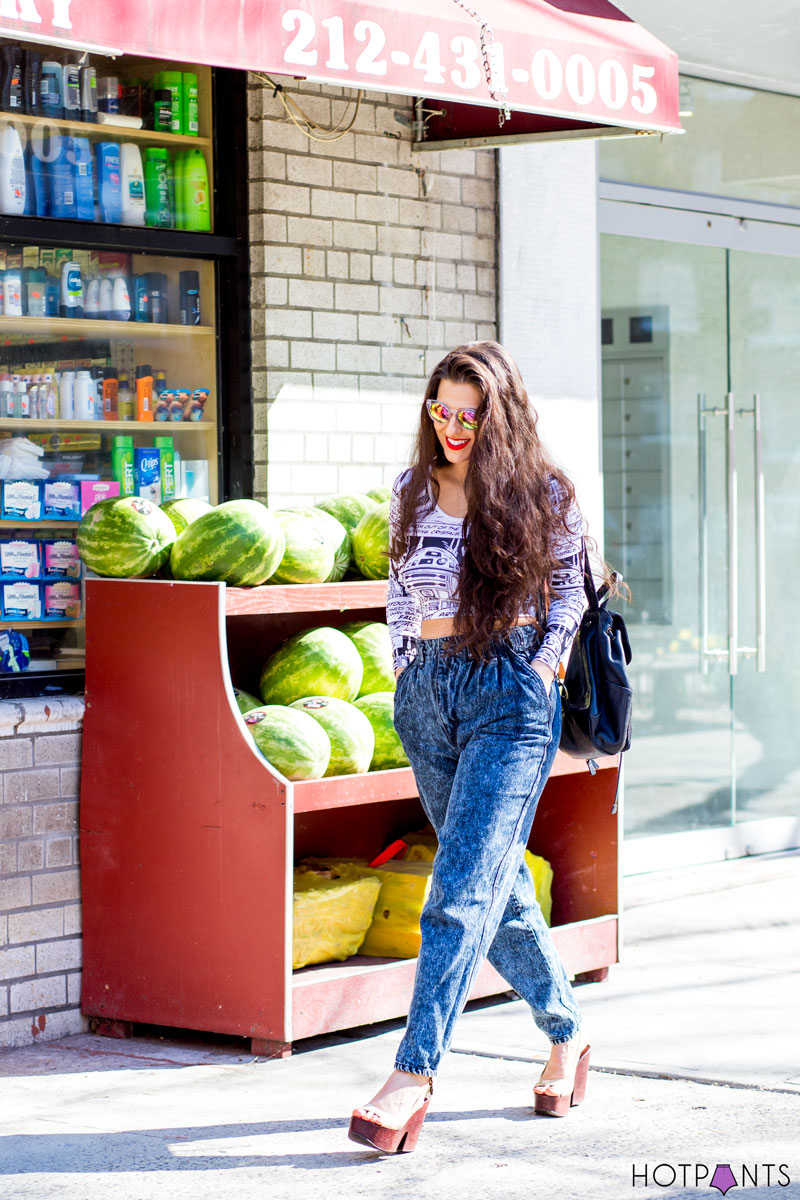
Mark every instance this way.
x=422 y=587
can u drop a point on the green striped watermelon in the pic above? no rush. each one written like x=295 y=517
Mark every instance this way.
x=336 y=534
x=239 y=542
x=309 y=553
x=293 y=742
x=347 y=507
x=246 y=701
x=389 y=752
x=371 y=543
x=349 y=730
x=316 y=662
x=183 y=512
x=380 y=494
x=372 y=641
x=125 y=537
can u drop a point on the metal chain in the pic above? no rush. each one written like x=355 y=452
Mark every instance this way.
x=500 y=93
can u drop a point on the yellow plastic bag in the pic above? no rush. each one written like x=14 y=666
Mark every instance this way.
x=542 y=874
x=422 y=846
x=331 y=914
x=394 y=932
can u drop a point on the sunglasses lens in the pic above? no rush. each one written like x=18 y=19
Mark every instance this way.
x=468 y=419
x=438 y=411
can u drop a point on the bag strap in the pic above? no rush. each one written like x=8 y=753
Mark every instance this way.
x=596 y=597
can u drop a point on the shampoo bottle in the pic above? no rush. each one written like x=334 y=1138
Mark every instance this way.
x=88 y=93
x=32 y=82
x=71 y=91
x=84 y=179
x=71 y=304
x=109 y=184
x=197 y=211
x=132 y=177
x=156 y=187
x=144 y=393
x=51 y=90
x=189 y=122
x=125 y=409
x=110 y=394
x=12 y=173
x=40 y=204
x=62 y=180
x=12 y=92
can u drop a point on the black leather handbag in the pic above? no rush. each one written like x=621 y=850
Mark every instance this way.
x=596 y=695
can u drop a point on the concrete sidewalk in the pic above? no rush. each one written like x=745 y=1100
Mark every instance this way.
x=708 y=991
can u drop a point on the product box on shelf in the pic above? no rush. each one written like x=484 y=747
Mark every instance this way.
x=62 y=499
x=147 y=474
x=62 y=600
x=96 y=490
x=61 y=559
x=20 y=559
x=21 y=601
x=21 y=500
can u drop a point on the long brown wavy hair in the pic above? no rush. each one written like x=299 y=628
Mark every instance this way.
x=512 y=518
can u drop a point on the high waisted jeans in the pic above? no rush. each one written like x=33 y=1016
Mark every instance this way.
x=481 y=738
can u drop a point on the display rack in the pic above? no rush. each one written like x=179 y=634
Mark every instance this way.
x=189 y=837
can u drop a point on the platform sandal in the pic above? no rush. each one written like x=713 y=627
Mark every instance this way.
x=558 y=1106
x=369 y=1127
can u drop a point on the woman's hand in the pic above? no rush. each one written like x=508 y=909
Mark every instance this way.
x=398 y=673
x=546 y=674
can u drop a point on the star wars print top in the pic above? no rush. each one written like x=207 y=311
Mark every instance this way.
x=423 y=586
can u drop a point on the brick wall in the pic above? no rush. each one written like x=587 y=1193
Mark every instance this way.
x=40 y=915
x=368 y=262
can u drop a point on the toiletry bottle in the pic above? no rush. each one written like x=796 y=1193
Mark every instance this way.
x=67 y=392
x=121 y=300
x=110 y=394
x=33 y=396
x=61 y=171
x=108 y=94
x=21 y=404
x=197 y=214
x=91 y=301
x=2 y=298
x=32 y=82
x=172 y=81
x=157 y=287
x=13 y=76
x=165 y=445
x=38 y=180
x=83 y=160
x=189 y=122
x=51 y=408
x=37 y=299
x=6 y=396
x=122 y=463
x=52 y=292
x=71 y=290
x=84 y=399
x=109 y=182
x=106 y=298
x=189 y=298
x=12 y=172
x=141 y=298
x=162 y=110
x=125 y=406
x=96 y=390
x=144 y=392
x=12 y=292
x=71 y=91
x=156 y=187
x=132 y=176
x=88 y=92
x=51 y=90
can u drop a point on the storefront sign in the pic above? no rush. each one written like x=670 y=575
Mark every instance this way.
x=578 y=59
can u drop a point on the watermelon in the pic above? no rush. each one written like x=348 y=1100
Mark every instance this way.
x=246 y=701
x=239 y=542
x=293 y=742
x=316 y=662
x=371 y=543
x=335 y=532
x=389 y=752
x=348 y=508
x=380 y=494
x=183 y=512
x=126 y=537
x=309 y=554
x=372 y=641
x=349 y=730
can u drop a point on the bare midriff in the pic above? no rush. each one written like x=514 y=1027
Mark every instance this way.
x=445 y=626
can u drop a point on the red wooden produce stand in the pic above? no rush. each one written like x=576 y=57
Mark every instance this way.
x=189 y=837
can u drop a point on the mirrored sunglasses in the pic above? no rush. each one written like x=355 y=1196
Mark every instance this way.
x=441 y=414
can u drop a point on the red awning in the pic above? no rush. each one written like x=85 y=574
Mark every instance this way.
x=576 y=61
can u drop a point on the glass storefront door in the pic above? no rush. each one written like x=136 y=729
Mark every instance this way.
x=701 y=458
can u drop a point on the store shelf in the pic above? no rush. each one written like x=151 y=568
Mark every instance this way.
x=23 y=524
x=109 y=132
x=26 y=423
x=23 y=625
x=305 y=597
x=54 y=328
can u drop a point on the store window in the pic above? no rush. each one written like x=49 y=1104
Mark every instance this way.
x=737 y=142
x=110 y=277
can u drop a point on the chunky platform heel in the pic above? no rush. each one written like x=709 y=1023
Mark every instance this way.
x=559 y=1106
x=372 y=1130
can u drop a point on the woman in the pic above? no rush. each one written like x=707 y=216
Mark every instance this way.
x=485 y=596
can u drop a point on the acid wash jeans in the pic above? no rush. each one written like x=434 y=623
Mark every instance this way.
x=481 y=739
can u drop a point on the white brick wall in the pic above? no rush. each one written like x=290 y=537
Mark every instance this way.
x=368 y=263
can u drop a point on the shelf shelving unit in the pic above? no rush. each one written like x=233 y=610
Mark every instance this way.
x=200 y=833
